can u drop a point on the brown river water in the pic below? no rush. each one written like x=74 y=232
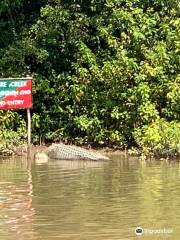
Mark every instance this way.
x=81 y=200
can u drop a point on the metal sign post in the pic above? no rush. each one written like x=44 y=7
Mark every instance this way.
x=29 y=127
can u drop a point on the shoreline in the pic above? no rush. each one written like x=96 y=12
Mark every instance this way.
x=22 y=151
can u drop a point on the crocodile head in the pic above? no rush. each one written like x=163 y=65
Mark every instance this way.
x=41 y=157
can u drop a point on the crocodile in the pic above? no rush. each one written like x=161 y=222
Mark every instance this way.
x=68 y=152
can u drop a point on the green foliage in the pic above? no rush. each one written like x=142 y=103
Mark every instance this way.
x=159 y=138
x=12 y=131
x=101 y=68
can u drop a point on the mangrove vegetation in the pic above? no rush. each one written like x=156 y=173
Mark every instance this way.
x=105 y=72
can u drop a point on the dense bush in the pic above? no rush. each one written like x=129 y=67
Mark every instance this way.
x=101 y=69
x=160 y=138
x=12 y=132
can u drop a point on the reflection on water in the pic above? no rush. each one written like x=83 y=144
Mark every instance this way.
x=89 y=200
x=16 y=218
